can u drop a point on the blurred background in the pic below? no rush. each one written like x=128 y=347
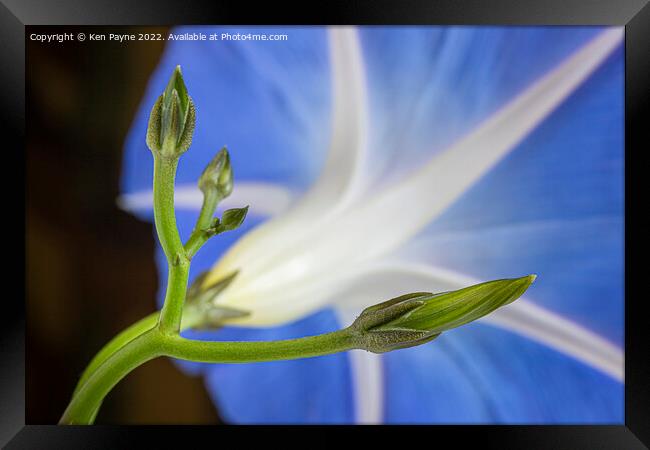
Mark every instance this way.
x=85 y=257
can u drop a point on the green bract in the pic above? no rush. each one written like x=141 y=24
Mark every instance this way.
x=172 y=119
x=203 y=299
x=197 y=293
x=413 y=319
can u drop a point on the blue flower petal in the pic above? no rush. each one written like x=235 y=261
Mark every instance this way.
x=479 y=374
x=428 y=86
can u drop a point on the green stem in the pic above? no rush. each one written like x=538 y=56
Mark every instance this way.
x=179 y=265
x=84 y=405
x=172 y=310
x=200 y=235
x=195 y=242
x=164 y=175
x=117 y=343
x=153 y=343
x=191 y=318
x=247 y=352
x=209 y=206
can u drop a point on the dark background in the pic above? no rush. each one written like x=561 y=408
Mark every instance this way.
x=90 y=265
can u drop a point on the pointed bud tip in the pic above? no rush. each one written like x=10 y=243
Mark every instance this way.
x=206 y=290
x=527 y=280
x=177 y=76
x=224 y=282
x=520 y=286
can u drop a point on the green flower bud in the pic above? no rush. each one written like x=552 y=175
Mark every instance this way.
x=414 y=319
x=217 y=175
x=231 y=219
x=172 y=119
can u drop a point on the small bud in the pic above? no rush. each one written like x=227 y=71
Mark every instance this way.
x=172 y=119
x=414 y=319
x=217 y=175
x=232 y=219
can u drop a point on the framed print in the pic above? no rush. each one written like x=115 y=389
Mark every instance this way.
x=373 y=213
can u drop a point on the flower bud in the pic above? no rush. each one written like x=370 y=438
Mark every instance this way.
x=414 y=319
x=231 y=219
x=217 y=176
x=172 y=119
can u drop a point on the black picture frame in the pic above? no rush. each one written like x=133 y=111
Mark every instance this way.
x=634 y=15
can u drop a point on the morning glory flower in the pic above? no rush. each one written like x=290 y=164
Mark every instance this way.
x=384 y=160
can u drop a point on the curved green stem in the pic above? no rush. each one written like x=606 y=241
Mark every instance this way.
x=191 y=318
x=117 y=343
x=84 y=405
x=153 y=343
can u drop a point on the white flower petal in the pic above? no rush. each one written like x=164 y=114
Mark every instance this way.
x=265 y=199
x=367 y=380
x=341 y=177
